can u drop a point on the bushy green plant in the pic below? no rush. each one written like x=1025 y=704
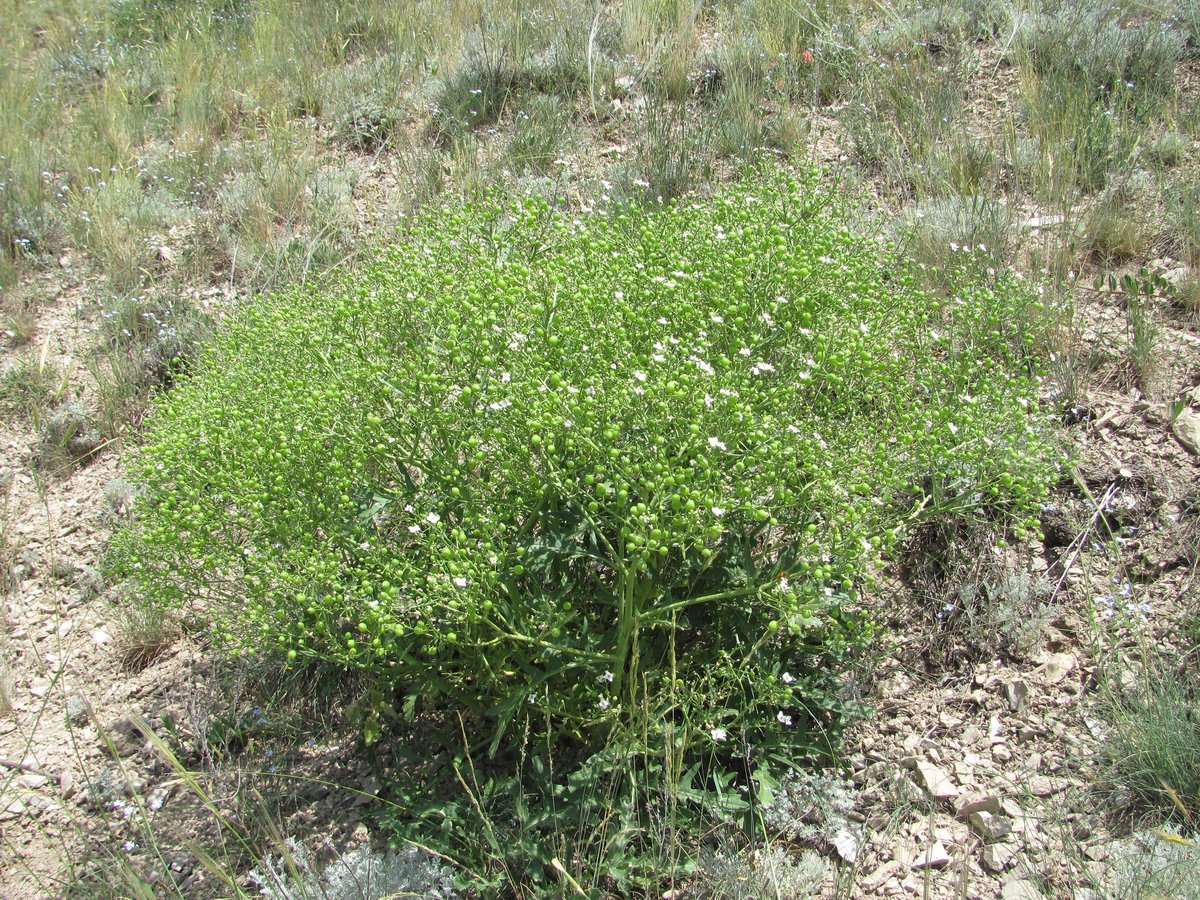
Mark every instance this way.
x=585 y=480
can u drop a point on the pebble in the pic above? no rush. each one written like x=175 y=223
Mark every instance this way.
x=935 y=857
x=996 y=857
x=935 y=781
x=1020 y=890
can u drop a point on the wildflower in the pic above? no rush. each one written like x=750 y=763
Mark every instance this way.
x=433 y=518
x=787 y=678
x=718 y=734
x=783 y=718
x=718 y=512
x=807 y=57
x=460 y=582
x=716 y=443
x=606 y=677
x=604 y=703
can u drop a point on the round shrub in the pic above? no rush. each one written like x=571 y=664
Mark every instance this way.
x=576 y=473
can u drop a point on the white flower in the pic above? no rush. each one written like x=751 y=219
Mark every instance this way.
x=604 y=703
x=784 y=584
x=716 y=443
x=783 y=719
x=745 y=351
x=718 y=512
x=759 y=367
x=639 y=375
x=460 y=582
x=718 y=734
x=787 y=678
x=433 y=518
x=414 y=529
x=505 y=377
x=607 y=677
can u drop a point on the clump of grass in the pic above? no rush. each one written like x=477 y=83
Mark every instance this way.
x=476 y=94
x=1153 y=746
x=147 y=341
x=1084 y=46
x=1181 y=229
x=944 y=233
x=143 y=631
x=673 y=156
x=364 y=104
x=539 y=130
x=1154 y=863
x=10 y=545
x=67 y=435
x=122 y=225
x=30 y=383
x=1116 y=229
x=903 y=110
x=1144 y=337
x=976 y=608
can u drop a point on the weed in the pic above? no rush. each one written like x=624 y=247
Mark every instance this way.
x=420 y=571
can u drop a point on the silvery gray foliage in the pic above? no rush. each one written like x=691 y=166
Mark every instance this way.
x=359 y=874
x=813 y=807
x=755 y=874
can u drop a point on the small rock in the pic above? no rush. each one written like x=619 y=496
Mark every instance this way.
x=33 y=780
x=935 y=781
x=1057 y=666
x=100 y=637
x=66 y=785
x=1044 y=786
x=125 y=737
x=1017 y=694
x=990 y=827
x=971 y=805
x=77 y=710
x=39 y=688
x=1020 y=889
x=935 y=857
x=1187 y=431
x=14 y=810
x=996 y=857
